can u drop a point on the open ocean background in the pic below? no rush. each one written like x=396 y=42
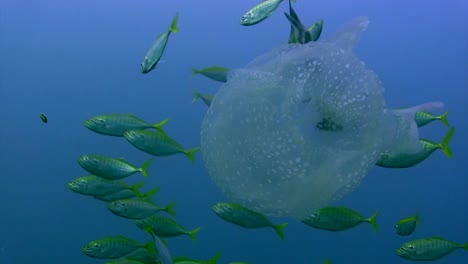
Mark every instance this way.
x=76 y=59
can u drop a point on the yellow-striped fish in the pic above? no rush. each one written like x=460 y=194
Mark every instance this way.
x=406 y=226
x=338 y=218
x=431 y=248
x=260 y=12
x=112 y=247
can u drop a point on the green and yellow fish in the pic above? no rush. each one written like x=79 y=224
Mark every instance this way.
x=316 y=30
x=206 y=98
x=143 y=255
x=216 y=73
x=260 y=12
x=406 y=160
x=156 y=51
x=185 y=260
x=113 y=247
x=97 y=186
x=137 y=209
x=165 y=227
x=338 y=218
x=127 y=194
x=406 y=226
x=298 y=33
x=424 y=118
x=158 y=144
x=431 y=248
x=245 y=217
x=117 y=124
x=111 y=168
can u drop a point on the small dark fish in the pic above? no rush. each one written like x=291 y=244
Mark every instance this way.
x=43 y=118
x=328 y=124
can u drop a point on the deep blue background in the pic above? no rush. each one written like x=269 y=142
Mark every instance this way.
x=76 y=59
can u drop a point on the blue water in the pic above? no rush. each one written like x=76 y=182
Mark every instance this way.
x=76 y=59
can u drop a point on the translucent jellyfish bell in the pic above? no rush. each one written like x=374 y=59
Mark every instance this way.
x=299 y=127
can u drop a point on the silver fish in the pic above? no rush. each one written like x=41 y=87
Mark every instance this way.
x=158 y=144
x=260 y=12
x=156 y=51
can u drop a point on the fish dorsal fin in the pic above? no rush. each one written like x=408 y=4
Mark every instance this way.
x=350 y=34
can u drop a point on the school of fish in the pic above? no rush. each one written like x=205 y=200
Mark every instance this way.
x=105 y=176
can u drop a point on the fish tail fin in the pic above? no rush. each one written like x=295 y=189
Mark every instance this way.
x=444 y=144
x=145 y=166
x=291 y=20
x=416 y=217
x=170 y=208
x=193 y=234
x=196 y=95
x=173 y=27
x=279 y=229
x=150 y=245
x=148 y=230
x=136 y=188
x=215 y=258
x=190 y=153
x=373 y=221
x=159 y=125
x=148 y=196
x=465 y=246
x=443 y=118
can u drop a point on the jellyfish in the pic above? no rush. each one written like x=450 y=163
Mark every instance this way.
x=299 y=127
